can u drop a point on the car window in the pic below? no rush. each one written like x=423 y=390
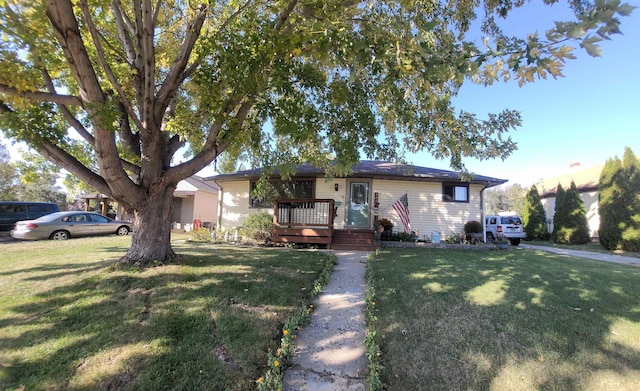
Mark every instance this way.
x=99 y=219
x=17 y=211
x=77 y=218
x=510 y=220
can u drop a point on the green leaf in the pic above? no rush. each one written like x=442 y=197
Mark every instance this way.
x=625 y=9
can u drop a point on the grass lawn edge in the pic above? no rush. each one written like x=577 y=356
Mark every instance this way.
x=280 y=359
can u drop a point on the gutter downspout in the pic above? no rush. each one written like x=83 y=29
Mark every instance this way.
x=484 y=227
x=219 y=206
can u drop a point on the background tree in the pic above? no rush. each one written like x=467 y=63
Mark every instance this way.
x=229 y=162
x=619 y=203
x=559 y=213
x=573 y=227
x=534 y=217
x=630 y=234
x=137 y=81
x=503 y=199
x=8 y=176
x=613 y=186
x=39 y=180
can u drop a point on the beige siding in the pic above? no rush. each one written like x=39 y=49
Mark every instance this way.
x=186 y=211
x=427 y=210
x=205 y=207
x=327 y=190
x=235 y=204
x=235 y=200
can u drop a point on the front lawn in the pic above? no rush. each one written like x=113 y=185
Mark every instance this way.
x=70 y=320
x=505 y=320
x=593 y=247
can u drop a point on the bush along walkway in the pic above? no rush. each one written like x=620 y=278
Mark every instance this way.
x=330 y=350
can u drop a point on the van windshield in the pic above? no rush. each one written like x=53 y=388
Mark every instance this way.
x=510 y=220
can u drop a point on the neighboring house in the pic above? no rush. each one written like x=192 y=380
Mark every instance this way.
x=437 y=199
x=195 y=199
x=586 y=181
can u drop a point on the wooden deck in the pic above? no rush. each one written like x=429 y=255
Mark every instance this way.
x=310 y=221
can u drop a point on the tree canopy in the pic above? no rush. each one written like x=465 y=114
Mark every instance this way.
x=114 y=91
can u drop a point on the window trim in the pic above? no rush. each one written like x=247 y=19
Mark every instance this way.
x=252 y=184
x=453 y=185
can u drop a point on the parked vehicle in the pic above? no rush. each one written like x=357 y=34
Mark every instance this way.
x=509 y=226
x=64 y=225
x=14 y=211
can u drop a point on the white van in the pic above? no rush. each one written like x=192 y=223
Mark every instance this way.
x=14 y=211
x=509 y=226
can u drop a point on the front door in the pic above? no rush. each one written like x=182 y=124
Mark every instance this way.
x=358 y=205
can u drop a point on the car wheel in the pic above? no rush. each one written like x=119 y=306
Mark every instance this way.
x=514 y=242
x=59 y=235
x=490 y=237
x=124 y=230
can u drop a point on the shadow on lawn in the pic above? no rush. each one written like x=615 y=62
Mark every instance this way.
x=159 y=328
x=507 y=320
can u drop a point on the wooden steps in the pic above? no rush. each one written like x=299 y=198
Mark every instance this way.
x=339 y=239
x=353 y=239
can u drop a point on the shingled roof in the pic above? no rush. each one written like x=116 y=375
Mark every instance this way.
x=376 y=170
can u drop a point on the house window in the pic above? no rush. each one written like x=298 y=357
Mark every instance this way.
x=458 y=192
x=296 y=189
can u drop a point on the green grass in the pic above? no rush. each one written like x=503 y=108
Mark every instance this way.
x=505 y=320
x=593 y=247
x=70 y=320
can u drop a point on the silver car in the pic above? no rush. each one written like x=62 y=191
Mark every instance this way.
x=64 y=225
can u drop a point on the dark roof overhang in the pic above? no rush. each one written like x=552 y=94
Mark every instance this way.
x=375 y=170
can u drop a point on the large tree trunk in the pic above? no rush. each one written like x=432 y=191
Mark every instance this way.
x=152 y=228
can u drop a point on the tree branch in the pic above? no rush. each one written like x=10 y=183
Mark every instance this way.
x=122 y=97
x=58 y=156
x=146 y=33
x=40 y=96
x=73 y=121
x=176 y=74
x=65 y=26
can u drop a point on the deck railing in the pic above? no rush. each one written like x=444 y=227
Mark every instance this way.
x=306 y=212
x=307 y=220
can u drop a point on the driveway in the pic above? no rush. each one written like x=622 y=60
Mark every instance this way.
x=586 y=254
x=6 y=238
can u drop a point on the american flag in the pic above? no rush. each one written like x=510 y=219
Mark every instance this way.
x=402 y=207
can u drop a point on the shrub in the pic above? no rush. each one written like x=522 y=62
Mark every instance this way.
x=573 y=228
x=404 y=236
x=258 y=226
x=534 y=217
x=473 y=227
x=386 y=224
x=200 y=235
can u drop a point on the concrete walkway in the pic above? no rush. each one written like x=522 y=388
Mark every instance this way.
x=330 y=352
x=586 y=254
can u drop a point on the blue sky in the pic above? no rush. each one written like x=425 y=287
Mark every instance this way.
x=588 y=116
